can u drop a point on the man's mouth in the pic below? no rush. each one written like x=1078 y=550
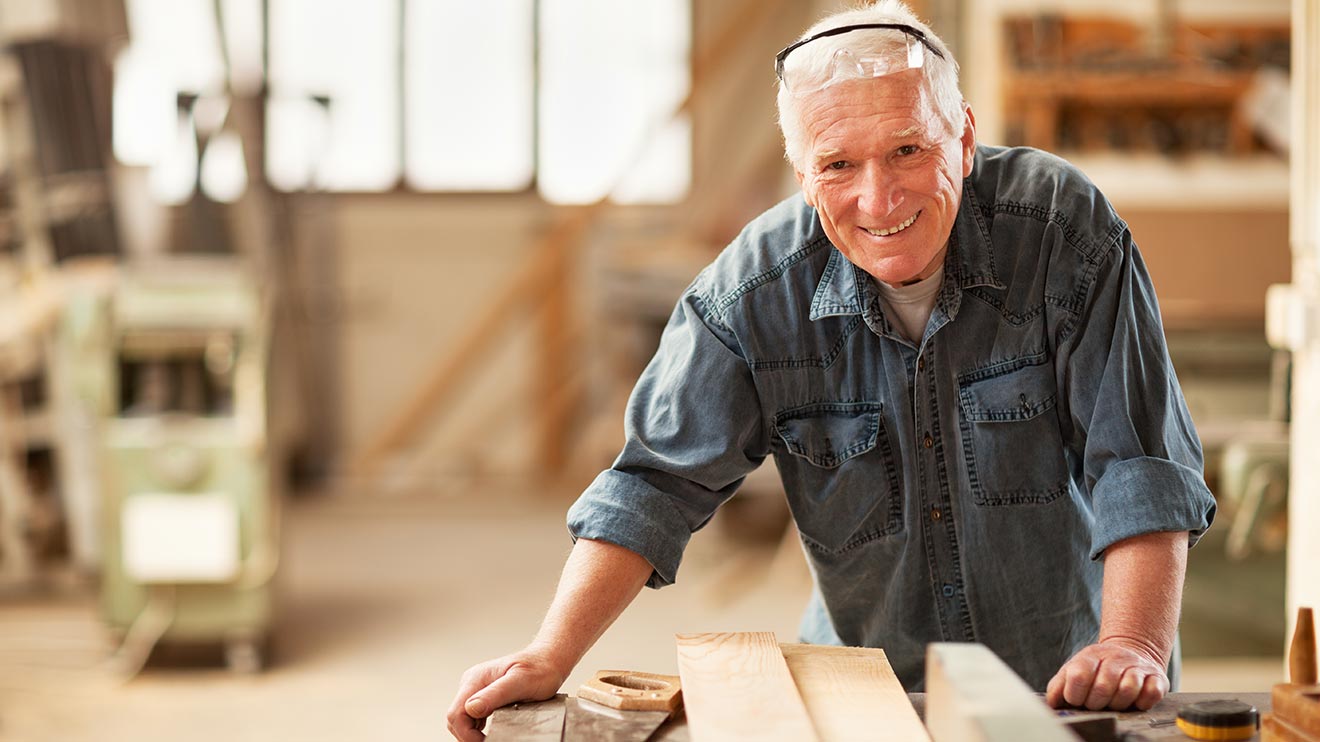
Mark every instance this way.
x=894 y=230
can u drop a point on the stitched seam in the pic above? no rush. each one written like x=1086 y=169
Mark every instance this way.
x=977 y=413
x=823 y=362
x=767 y=276
x=1000 y=368
x=1071 y=235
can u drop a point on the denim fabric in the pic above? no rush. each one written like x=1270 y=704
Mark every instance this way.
x=961 y=489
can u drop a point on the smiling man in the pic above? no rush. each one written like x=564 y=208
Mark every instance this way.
x=954 y=354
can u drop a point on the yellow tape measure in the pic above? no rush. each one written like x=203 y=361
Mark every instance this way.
x=1216 y=721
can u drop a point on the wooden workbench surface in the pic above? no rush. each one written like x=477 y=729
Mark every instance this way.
x=1157 y=723
x=1134 y=726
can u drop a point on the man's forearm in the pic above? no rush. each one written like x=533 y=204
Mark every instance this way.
x=599 y=581
x=1143 y=591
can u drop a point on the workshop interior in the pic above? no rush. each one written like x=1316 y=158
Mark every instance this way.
x=317 y=315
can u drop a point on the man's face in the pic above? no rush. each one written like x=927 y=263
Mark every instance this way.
x=884 y=173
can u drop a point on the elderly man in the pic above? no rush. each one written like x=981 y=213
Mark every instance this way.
x=955 y=356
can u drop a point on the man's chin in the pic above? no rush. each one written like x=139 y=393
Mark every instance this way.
x=894 y=275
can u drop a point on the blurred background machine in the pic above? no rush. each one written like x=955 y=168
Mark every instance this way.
x=136 y=453
x=190 y=510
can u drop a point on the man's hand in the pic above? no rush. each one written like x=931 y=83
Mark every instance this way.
x=529 y=675
x=1115 y=673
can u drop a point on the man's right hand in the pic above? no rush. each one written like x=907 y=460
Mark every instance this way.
x=529 y=675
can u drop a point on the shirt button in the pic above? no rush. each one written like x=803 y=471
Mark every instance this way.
x=948 y=591
x=935 y=513
x=928 y=441
x=921 y=364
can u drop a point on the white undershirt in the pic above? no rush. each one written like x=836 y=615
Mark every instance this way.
x=910 y=306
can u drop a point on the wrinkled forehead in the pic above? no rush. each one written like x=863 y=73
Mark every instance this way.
x=903 y=101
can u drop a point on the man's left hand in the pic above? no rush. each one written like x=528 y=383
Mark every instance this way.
x=1116 y=673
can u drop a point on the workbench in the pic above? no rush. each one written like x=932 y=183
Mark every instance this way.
x=1133 y=726
x=1157 y=723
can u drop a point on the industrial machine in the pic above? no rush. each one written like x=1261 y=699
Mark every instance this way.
x=191 y=514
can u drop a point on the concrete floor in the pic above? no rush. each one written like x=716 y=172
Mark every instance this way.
x=384 y=602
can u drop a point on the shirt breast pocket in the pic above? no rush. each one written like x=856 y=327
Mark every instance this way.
x=1011 y=439
x=839 y=473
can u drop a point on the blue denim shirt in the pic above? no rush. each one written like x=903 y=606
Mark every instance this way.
x=963 y=488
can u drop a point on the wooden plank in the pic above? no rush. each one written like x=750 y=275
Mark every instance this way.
x=972 y=696
x=736 y=686
x=588 y=721
x=851 y=693
x=536 y=721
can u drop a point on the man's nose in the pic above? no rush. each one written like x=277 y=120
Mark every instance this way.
x=879 y=193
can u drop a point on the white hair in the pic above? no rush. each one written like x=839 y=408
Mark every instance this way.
x=940 y=76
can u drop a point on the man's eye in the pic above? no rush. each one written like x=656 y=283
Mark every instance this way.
x=837 y=165
x=907 y=149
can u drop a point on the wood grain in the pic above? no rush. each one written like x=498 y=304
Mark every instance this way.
x=972 y=696
x=537 y=721
x=852 y=693
x=736 y=686
x=587 y=721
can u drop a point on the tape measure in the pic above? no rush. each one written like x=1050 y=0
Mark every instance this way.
x=1219 y=720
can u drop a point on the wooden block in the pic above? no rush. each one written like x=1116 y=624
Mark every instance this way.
x=630 y=690
x=737 y=686
x=852 y=693
x=537 y=721
x=1301 y=652
x=1299 y=705
x=1274 y=728
x=972 y=696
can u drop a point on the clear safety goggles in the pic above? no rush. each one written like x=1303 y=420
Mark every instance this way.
x=851 y=59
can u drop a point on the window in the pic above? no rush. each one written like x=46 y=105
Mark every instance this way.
x=572 y=97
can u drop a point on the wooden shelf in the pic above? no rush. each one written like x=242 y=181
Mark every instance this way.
x=1105 y=83
x=1153 y=182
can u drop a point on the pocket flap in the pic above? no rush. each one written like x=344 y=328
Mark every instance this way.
x=829 y=433
x=1017 y=395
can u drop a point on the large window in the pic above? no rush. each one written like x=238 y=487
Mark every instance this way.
x=572 y=97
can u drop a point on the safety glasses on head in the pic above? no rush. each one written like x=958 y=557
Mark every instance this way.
x=864 y=51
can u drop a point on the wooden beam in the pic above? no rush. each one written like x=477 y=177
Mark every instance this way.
x=972 y=696
x=737 y=686
x=851 y=692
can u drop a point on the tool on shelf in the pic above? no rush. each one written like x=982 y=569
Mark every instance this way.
x=1295 y=706
x=1301 y=654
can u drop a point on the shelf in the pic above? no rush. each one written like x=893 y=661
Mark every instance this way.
x=1152 y=182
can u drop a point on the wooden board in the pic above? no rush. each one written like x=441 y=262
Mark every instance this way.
x=537 y=721
x=972 y=696
x=588 y=721
x=852 y=693
x=737 y=686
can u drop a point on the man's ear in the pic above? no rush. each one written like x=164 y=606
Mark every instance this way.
x=968 y=140
x=806 y=191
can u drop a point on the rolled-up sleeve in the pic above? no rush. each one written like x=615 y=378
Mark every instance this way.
x=694 y=430
x=1139 y=449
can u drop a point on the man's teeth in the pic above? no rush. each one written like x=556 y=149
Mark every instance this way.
x=895 y=230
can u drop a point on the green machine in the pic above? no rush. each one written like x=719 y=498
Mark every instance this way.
x=190 y=509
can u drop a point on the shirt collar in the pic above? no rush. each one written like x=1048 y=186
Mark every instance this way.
x=969 y=262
